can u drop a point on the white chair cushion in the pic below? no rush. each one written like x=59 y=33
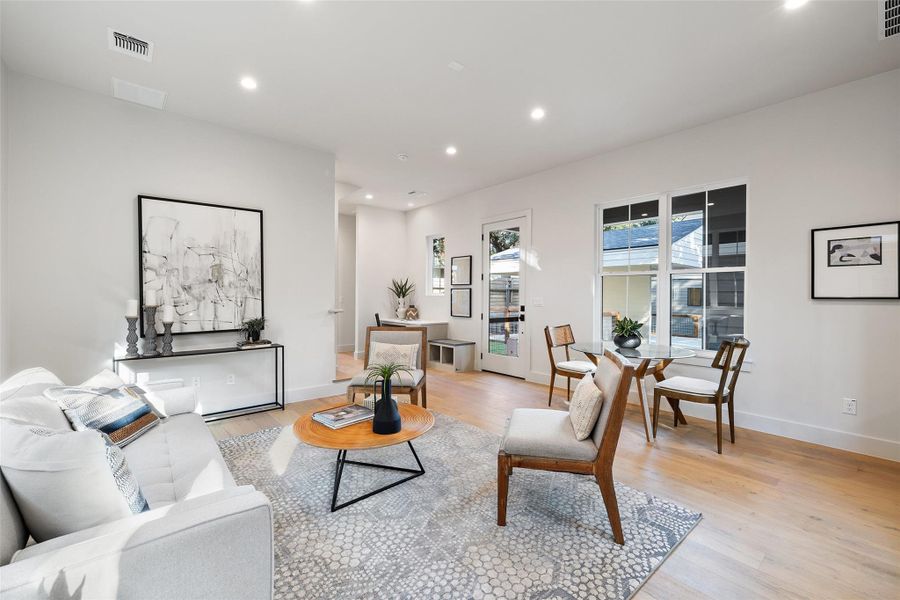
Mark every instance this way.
x=690 y=385
x=545 y=433
x=585 y=407
x=582 y=366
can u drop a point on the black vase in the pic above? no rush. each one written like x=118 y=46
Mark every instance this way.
x=387 y=416
x=627 y=341
x=253 y=335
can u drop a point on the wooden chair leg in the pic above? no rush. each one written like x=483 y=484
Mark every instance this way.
x=719 y=426
x=568 y=388
x=414 y=396
x=608 y=491
x=552 y=383
x=351 y=395
x=676 y=405
x=731 y=417
x=503 y=470
x=656 y=399
x=424 y=395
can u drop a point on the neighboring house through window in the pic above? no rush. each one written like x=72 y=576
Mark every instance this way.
x=436 y=266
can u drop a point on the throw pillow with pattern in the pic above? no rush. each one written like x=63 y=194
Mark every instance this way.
x=584 y=409
x=122 y=413
x=400 y=354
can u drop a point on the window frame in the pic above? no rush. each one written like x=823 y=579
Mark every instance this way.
x=429 y=266
x=664 y=271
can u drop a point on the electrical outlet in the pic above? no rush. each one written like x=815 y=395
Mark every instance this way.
x=230 y=379
x=195 y=382
x=848 y=406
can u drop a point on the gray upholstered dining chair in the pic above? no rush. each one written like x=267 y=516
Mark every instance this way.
x=729 y=360
x=544 y=439
x=413 y=383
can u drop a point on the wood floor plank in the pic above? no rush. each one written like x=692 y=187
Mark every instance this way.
x=782 y=518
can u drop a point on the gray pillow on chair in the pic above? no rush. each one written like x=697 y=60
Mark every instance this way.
x=584 y=409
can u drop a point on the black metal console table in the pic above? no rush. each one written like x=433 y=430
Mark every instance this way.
x=232 y=412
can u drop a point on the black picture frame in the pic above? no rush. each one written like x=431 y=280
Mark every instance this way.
x=454 y=280
x=140 y=258
x=465 y=298
x=815 y=250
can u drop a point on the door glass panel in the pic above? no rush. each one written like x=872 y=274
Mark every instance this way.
x=504 y=304
x=687 y=231
x=632 y=296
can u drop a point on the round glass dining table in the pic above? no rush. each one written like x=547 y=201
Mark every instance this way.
x=643 y=356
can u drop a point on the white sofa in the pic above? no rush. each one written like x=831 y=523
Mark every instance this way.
x=203 y=537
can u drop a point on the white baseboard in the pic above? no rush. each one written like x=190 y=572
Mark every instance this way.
x=344 y=348
x=833 y=438
x=361 y=354
x=317 y=391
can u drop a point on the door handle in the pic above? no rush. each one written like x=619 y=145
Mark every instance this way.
x=521 y=317
x=335 y=311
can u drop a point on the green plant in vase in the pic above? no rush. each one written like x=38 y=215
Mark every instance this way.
x=387 y=415
x=253 y=327
x=402 y=290
x=627 y=333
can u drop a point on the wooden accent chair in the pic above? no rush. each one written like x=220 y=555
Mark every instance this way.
x=403 y=383
x=543 y=439
x=561 y=335
x=728 y=359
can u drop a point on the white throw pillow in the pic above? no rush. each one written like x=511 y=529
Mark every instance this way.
x=66 y=481
x=28 y=382
x=585 y=407
x=401 y=354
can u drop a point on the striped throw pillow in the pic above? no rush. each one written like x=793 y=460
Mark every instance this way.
x=122 y=413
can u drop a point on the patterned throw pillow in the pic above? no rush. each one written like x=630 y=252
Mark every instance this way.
x=122 y=413
x=66 y=481
x=383 y=354
x=584 y=409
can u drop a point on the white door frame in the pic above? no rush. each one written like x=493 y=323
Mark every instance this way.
x=524 y=357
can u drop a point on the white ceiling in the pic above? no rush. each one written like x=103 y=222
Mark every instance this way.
x=369 y=80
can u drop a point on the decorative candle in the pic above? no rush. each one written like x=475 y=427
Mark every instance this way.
x=150 y=298
x=131 y=308
x=168 y=315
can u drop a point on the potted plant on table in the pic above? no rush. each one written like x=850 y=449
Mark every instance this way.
x=253 y=327
x=402 y=290
x=387 y=416
x=627 y=333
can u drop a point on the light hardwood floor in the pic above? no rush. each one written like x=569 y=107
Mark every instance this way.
x=346 y=366
x=781 y=518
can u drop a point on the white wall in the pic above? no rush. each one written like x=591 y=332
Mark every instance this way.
x=829 y=158
x=346 y=279
x=4 y=255
x=77 y=161
x=380 y=257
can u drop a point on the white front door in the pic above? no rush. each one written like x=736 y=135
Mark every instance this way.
x=504 y=340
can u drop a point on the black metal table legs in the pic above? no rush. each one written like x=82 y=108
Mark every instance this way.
x=339 y=471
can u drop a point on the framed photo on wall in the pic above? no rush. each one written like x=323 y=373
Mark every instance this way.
x=856 y=262
x=461 y=303
x=461 y=270
x=206 y=260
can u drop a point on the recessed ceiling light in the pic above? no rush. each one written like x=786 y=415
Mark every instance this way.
x=248 y=83
x=451 y=150
x=369 y=196
x=538 y=113
x=410 y=204
x=794 y=4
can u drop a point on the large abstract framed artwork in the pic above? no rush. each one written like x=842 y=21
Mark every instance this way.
x=856 y=261
x=206 y=260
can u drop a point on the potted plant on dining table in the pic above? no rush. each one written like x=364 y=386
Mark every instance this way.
x=627 y=333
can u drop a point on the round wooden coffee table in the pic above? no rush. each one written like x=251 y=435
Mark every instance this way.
x=415 y=422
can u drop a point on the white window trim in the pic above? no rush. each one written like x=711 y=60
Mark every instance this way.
x=664 y=264
x=429 y=270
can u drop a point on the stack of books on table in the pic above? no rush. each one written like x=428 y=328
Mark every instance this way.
x=342 y=416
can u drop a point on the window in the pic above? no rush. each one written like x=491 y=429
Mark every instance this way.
x=694 y=296
x=436 y=266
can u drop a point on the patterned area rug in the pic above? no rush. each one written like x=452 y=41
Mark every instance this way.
x=436 y=536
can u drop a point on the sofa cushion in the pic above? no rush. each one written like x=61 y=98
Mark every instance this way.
x=545 y=433
x=122 y=413
x=176 y=460
x=35 y=410
x=65 y=481
x=13 y=533
x=29 y=382
x=403 y=378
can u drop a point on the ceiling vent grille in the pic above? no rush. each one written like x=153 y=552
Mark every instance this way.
x=888 y=18
x=130 y=45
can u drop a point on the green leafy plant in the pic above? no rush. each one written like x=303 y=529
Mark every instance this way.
x=252 y=326
x=402 y=289
x=385 y=371
x=627 y=327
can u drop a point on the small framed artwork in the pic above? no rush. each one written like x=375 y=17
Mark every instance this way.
x=461 y=303
x=857 y=262
x=461 y=270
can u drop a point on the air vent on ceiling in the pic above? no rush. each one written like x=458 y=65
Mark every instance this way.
x=888 y=18
x=130 y=45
